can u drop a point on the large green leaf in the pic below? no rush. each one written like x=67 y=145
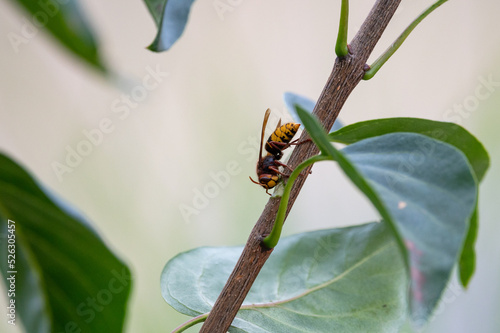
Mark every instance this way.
x=430 y=193
x=425 y=189
x=66 y=279
x=65 y=20
x=171 y=18
x=450 y=133
x=340 y=280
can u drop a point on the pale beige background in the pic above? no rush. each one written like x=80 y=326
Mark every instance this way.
x=223 y=74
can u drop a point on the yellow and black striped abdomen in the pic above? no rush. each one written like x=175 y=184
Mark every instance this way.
x=283 y=134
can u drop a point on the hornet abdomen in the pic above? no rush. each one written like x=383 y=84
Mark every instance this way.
x=280 y=138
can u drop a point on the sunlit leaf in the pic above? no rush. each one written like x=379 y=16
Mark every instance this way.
x=340 y=280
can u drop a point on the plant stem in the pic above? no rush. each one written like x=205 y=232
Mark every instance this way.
x=196 y=320
x=347 y=72
x=341 y=46
x=272 y=239
x=374 y=68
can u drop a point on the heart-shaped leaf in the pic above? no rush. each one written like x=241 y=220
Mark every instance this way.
x=171 y=18
x=340 y=280
x=450 y=133
x=425 y=189
x=66 y=279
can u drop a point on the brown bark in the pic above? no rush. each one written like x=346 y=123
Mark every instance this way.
x=346 y=74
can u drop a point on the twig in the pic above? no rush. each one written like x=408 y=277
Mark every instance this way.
x=346 y=74
x=341 y=48
x=377 y=64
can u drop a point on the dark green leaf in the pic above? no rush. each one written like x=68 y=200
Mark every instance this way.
x=450 y=133
x=293 y=101
x=467 y=263
x=340 y=280
x=67 y=280
x=424 y=189
x=171 y=21
x=156 y=8
x=66 y=22
x=315 y=131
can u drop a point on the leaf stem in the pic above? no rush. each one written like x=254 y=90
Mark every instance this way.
x=374 y=68
x=272 y=239
x=196 y=320
x=341 y=45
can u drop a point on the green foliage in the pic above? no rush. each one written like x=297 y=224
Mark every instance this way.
x=424 y=189
x=341 y=48
x=67 y=279
x=292 y=101
x=156 y=8
x=339 y=280
x=377 y=64
x=66 y=22
x=450 y=133
x=421 y=176
x=171 y=18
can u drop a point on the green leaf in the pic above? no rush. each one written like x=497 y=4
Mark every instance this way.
x=156 y=8
x=315 y=131
x=428 y=191
x=340 y=280
x=450 y=133
x=294 y=101
x=171 y=17
x=66 y=21
x=467 y=263
x=66 y=279
x=375 y=67
x=425 y=190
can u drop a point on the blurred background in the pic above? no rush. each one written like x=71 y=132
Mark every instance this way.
x=141 y=184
